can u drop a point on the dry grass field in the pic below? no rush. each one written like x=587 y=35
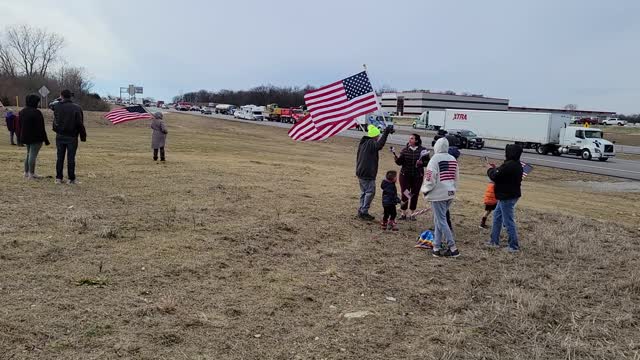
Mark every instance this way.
x=244 y=245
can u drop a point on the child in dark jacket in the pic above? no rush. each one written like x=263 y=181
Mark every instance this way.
x=389 y=201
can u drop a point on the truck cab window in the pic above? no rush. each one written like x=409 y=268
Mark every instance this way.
x=580 y=134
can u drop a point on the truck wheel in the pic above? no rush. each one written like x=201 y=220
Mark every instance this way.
x=556 y=152
x=414 y=126
x=586 y=154
x=542 y=150
x=603 y=159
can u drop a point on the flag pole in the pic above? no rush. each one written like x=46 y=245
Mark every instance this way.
x=384 y=118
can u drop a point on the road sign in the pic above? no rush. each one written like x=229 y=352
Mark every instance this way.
x=138 y=89
x=44 y=91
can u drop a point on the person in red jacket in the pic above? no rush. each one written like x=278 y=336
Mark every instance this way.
x=490 y=204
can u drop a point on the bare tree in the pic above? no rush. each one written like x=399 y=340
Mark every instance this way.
x=49 y=51
x=571 y=107
x=34 y=49
x=7 y=61
x=74 y=79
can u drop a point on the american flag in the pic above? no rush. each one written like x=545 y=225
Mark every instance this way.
x=526 y=169
x=306 y=130
x=129 y=113
x=448 y=170
x=341 y=102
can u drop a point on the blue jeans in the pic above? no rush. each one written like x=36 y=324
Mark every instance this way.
x=504 y=215
x=30 y=160
x=441 y=227
x=68 y=146
x=367 y=193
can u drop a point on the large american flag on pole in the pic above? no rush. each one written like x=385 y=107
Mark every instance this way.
x=335 y=107
x=129 y=113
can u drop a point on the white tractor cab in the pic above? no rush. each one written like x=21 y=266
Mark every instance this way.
x=379 y=119
x=585 y=142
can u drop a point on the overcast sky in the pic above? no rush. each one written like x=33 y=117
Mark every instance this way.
x=544 y=53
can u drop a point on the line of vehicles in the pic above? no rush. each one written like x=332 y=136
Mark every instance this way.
x=546 y=133
x=271 y=112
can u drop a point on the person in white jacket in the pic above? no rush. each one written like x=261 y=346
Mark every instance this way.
x=439 y=188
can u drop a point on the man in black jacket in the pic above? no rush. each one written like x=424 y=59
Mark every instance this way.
x=507 y=179
x=367 y=167
x=68 y=124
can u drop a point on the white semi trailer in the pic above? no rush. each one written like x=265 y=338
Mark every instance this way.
x=545 y=132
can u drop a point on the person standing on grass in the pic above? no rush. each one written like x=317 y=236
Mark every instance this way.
x=412 y=161
x=32 y=134
x=367 y=167
x=508 y=180
x=10 y=119
x=68 y=124
x=158 y=136
x=439 y=188
x=390 y=200
x=490 y=203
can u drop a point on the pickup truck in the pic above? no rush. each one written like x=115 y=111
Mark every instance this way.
x=614 y=121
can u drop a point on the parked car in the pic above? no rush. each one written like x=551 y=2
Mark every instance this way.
x=589 y=121
x=206 y=111
x=194 y=108
x=614 y=121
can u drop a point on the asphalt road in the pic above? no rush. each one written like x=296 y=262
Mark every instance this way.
x=621 y=168
x=627 y=149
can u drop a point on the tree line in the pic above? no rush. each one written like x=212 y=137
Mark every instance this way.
x=30 y=57
x=260 y=95
x=632 y=118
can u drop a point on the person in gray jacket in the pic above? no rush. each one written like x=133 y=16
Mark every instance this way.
x=158 y=136
x=367 y=167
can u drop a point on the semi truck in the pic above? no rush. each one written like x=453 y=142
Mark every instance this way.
x=546 y=133
x=285 y=115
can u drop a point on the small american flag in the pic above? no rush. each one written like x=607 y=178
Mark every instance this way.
x=526 y=169
x=448 y=170
x=341 y=102
x=129 y=113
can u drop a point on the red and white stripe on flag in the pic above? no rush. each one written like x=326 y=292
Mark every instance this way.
x=341 y=101
x=306 y=130
x=130 y=113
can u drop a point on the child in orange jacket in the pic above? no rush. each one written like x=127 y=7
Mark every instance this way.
x=490 y=203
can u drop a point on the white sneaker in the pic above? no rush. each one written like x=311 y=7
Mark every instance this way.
x=26 y=175
x=58 y=181
x=73 y=182
x=34 y=177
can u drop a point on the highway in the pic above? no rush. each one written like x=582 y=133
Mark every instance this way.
x=620 y=168
x=627 y=149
